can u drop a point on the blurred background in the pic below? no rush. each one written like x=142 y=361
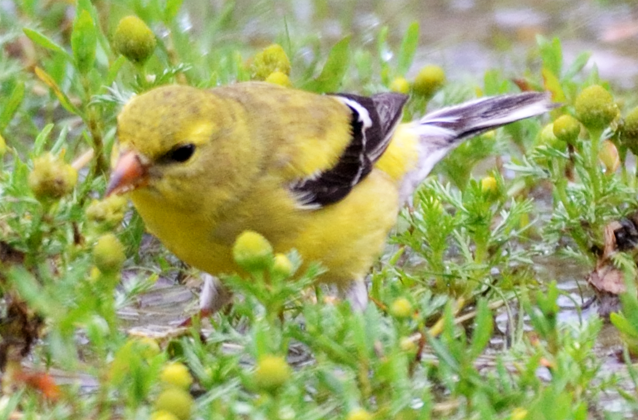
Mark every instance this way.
x=466 y=37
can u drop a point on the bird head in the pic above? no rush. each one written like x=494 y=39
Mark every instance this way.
x=176 y=143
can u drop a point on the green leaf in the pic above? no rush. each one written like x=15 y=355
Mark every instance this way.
x=30 y=290
x=84 y=42
x=41 y=139
x=578 y=64
x=552 y=84
x=61 y=142
x=335 y=68
x=483 y=330
x=408 y=48
x=171 y=10
x=64 y=100
x=44 y=42
x=623 y=325
x=384 y=54
x=114 y=70
x=494 y=83
x=551 y=54
x=10 y=107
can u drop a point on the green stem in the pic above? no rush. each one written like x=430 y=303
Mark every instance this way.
x=92 y=121
x=594 y=167
x=577 y=233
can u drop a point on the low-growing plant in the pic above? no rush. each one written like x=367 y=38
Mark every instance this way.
x=468 y=251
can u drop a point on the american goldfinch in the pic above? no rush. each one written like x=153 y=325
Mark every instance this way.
x=323 y=174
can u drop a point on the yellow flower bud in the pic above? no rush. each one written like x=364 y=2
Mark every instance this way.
x=489 y=185
x=595 y=107
x=359 y=414
x=271 y=59
x=252 y=251
x=400 y=85
x=95 y=275
x=51 y=177
x=109 y=211
x=108 y=253
x=608 y=155
x=279 y=78
x=490 y=135
x=401 y=308
x=3 y=146
x=134 y=39
x=407 y=345
x=148 y=347
x=282 y=266
x=629 y=134
x=566 y=128
x=163 y=415
x=519 y=413
x=175 y=401
x=630 y=127
x=176 y=374
x=547 y=135
x=272 y=372
x=428 y=81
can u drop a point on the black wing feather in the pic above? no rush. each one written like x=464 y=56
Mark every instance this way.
x=372 y=125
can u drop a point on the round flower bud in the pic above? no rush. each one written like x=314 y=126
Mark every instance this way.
x=95 y=275
x=401 y=308
x=519 y=413
x=109 y=211
x=279 y=78
x=566 y=128
x=163 y=415
x=176 y=374
x=271 y=59
x=282 y=266
x=595 y=107
x=408 y=345
x=630 y=127
x=134 y=39
x=608 y=155
x=51 y=177
x=489 y=185
x=272 y=372
x=108 y=253
x=359 y=414
x=252 y=251
x=547 y=138
x=629 y=134
x=175 y=401
x=428 y=81
x=148 y=347
x=400 y=85
x=3 y=146
x=489 y=135
x=547 y=135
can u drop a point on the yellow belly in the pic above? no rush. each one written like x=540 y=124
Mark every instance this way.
x=345 y=237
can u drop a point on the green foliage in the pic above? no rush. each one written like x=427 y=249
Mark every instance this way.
x=430 y=345
x=335 y=68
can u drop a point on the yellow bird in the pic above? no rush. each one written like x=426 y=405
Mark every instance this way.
x=323 y=174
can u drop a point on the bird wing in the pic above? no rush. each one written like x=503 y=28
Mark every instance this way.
x=373 y=122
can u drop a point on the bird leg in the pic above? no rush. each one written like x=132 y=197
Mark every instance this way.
x=213 y=297
x=357 y=294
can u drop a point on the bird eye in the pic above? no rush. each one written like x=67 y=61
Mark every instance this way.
x=182 y=152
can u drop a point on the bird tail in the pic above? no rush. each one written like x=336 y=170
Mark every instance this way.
x=441 y=131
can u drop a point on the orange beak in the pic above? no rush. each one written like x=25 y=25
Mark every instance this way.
x=129 y=174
